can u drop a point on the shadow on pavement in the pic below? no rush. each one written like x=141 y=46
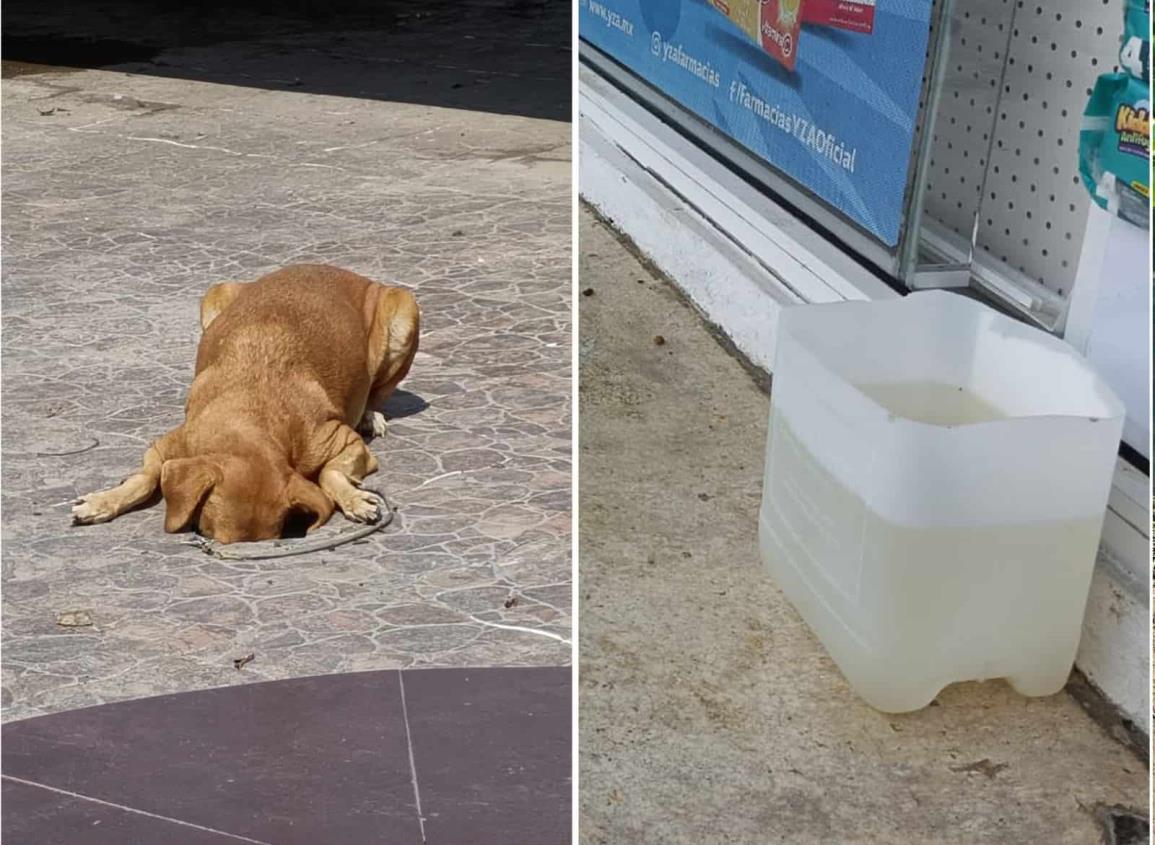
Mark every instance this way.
x=501 y=56
x=478 y=757
x=404 y=404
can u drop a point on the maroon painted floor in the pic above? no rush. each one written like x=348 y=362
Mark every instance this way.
x=443 y=756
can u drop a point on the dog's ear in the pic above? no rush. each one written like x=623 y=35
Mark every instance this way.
x=217 y=299
x=185 y=483
x=307 y=498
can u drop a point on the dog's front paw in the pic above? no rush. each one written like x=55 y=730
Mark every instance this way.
x=373 y=423
x=361 y=506
x=93 y=508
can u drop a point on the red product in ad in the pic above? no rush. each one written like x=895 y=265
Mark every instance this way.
x=855 y=15
x=778 y=28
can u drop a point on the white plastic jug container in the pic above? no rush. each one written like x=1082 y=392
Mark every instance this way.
x=935 y=485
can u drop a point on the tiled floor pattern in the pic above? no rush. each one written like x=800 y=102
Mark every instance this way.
x=129 y=191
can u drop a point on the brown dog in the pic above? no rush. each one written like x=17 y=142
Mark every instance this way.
x=286 y=367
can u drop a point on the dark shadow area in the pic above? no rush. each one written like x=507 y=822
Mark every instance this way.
x=1123 y=826
x=404 y=404
x=297 y=526
x=490 y=760
x=503 y=56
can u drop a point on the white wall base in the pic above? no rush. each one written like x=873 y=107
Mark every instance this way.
x=741 y=259
x=1115 y=644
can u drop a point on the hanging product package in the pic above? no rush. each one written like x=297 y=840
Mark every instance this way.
x=1115 y=146
x=1115 y=139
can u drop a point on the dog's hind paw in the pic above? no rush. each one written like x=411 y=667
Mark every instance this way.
x=91 y=509
x=361 y=506
x=373 y=423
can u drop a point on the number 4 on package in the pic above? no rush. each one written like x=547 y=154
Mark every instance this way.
x=1135 y=54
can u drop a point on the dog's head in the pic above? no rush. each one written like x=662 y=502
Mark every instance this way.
x=231 y=498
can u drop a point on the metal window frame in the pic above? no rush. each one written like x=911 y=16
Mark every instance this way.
x=926 y=256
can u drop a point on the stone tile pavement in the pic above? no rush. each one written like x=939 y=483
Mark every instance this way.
x=126 y=195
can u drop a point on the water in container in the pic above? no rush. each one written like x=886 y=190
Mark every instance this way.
x=935 y=485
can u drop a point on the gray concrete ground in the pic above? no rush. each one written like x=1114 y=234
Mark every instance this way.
x=709 y=713
x=127 y=194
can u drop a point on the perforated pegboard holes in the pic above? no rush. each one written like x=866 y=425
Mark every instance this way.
x=1033 y=209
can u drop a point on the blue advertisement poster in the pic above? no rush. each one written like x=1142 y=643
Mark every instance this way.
x=825 y=91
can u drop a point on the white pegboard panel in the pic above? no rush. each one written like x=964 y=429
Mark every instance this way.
x=1032 y=208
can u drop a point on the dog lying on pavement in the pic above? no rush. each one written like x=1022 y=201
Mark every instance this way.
x=287 y=367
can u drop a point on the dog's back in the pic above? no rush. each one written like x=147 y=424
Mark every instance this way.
x=303 y=325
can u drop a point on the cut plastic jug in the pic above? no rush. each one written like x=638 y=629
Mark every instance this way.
x=935 y=484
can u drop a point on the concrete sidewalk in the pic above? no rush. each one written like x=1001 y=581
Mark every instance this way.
x=129 y=191
x=709 y=713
